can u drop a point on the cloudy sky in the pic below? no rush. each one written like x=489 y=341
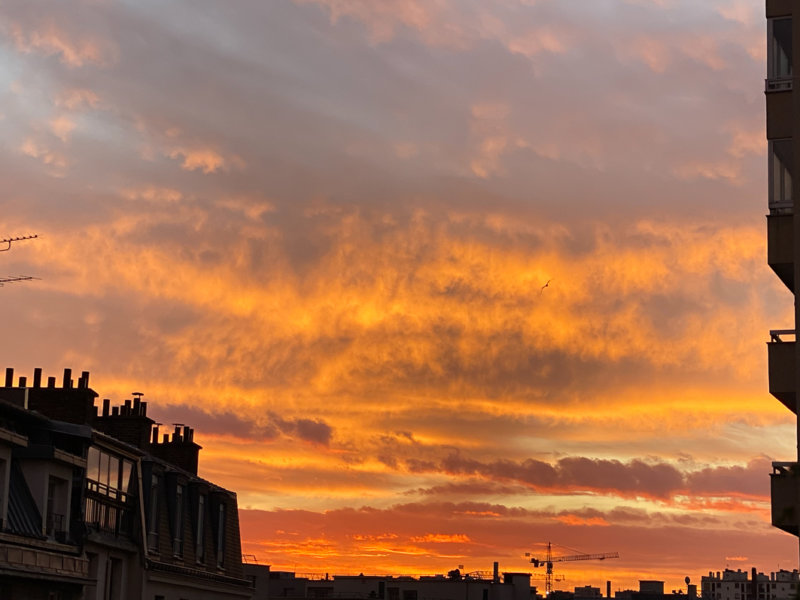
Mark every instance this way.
x=436 y=281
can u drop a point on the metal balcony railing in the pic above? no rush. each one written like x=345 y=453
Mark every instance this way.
x=775 y=335
x=784 y=492
x=778 y=84
x=54 y=523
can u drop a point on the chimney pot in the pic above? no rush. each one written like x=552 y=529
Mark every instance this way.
x=37 y=377
x=155 y=434
x=115 y=411
x=23 y=382
x=144 y=409
x=67 y=379
x=85 y=377
x=9 y=377
x=127 y=411
x=51 y=382
x=165 y=440
x=136 y=406
x=106 y=406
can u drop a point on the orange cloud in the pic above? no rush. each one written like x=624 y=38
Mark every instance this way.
x=48 y=39
x=576 y=521
x=206 y=160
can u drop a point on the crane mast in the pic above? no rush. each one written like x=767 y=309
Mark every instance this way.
x=550 y=559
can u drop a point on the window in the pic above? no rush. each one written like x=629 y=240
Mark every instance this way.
x=221 y=536
x=780 y=175
x=107 y=483
x=177 y=539
x=779 y=51
x=200 y=530
x=55 y=519
x=108 y=475
x=152 y=516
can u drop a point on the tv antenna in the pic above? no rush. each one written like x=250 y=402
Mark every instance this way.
x=5 y=246
x=9 y=241
x=4 y=280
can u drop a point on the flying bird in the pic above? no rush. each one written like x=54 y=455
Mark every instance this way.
x=544 y=286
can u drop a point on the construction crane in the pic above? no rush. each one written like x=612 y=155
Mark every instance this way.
x=550 y=559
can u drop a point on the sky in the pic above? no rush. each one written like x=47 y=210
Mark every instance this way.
x=436 y=281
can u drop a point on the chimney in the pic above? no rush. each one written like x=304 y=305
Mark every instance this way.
x=37 y=377
x=67 y=379
x=496 y=572
x=608 y=589
x=9 y=377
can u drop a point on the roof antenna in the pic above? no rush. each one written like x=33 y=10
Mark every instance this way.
x=7 y=243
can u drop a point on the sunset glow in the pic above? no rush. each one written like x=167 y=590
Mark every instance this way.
x=435 y=281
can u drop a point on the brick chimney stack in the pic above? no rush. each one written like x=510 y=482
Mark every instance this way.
x=128 y=422
x=178 y=449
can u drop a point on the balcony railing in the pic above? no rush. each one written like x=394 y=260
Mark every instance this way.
x=785 y=485
x=778 y=84
x=55 y=523
x=781 y=355
x=780 y=207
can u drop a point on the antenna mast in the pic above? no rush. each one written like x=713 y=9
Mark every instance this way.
x=5 y=246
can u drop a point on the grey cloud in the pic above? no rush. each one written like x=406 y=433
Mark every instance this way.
x=309 y=430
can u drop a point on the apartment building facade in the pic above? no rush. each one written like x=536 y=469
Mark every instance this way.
x=104 y=505
x=738 y=585
x=783 y=237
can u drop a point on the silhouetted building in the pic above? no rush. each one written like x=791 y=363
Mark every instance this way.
x=276 y=585
x=783 y=236
x=738 y=585
x=96 y=505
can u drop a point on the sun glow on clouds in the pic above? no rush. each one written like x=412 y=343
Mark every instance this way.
x=432 y=280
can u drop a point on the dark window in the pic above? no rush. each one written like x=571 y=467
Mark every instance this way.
x=152 y=516
x=200 y=547
x=779 y=59
x=177 y=540
x=221 y=536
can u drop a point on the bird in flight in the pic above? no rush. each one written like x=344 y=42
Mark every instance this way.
x=544 y=286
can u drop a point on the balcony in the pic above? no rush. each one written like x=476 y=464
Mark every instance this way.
x=785 y=488
x=780 y=242
x=782 y=380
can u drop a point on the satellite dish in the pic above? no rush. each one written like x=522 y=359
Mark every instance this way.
x=687 y=580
